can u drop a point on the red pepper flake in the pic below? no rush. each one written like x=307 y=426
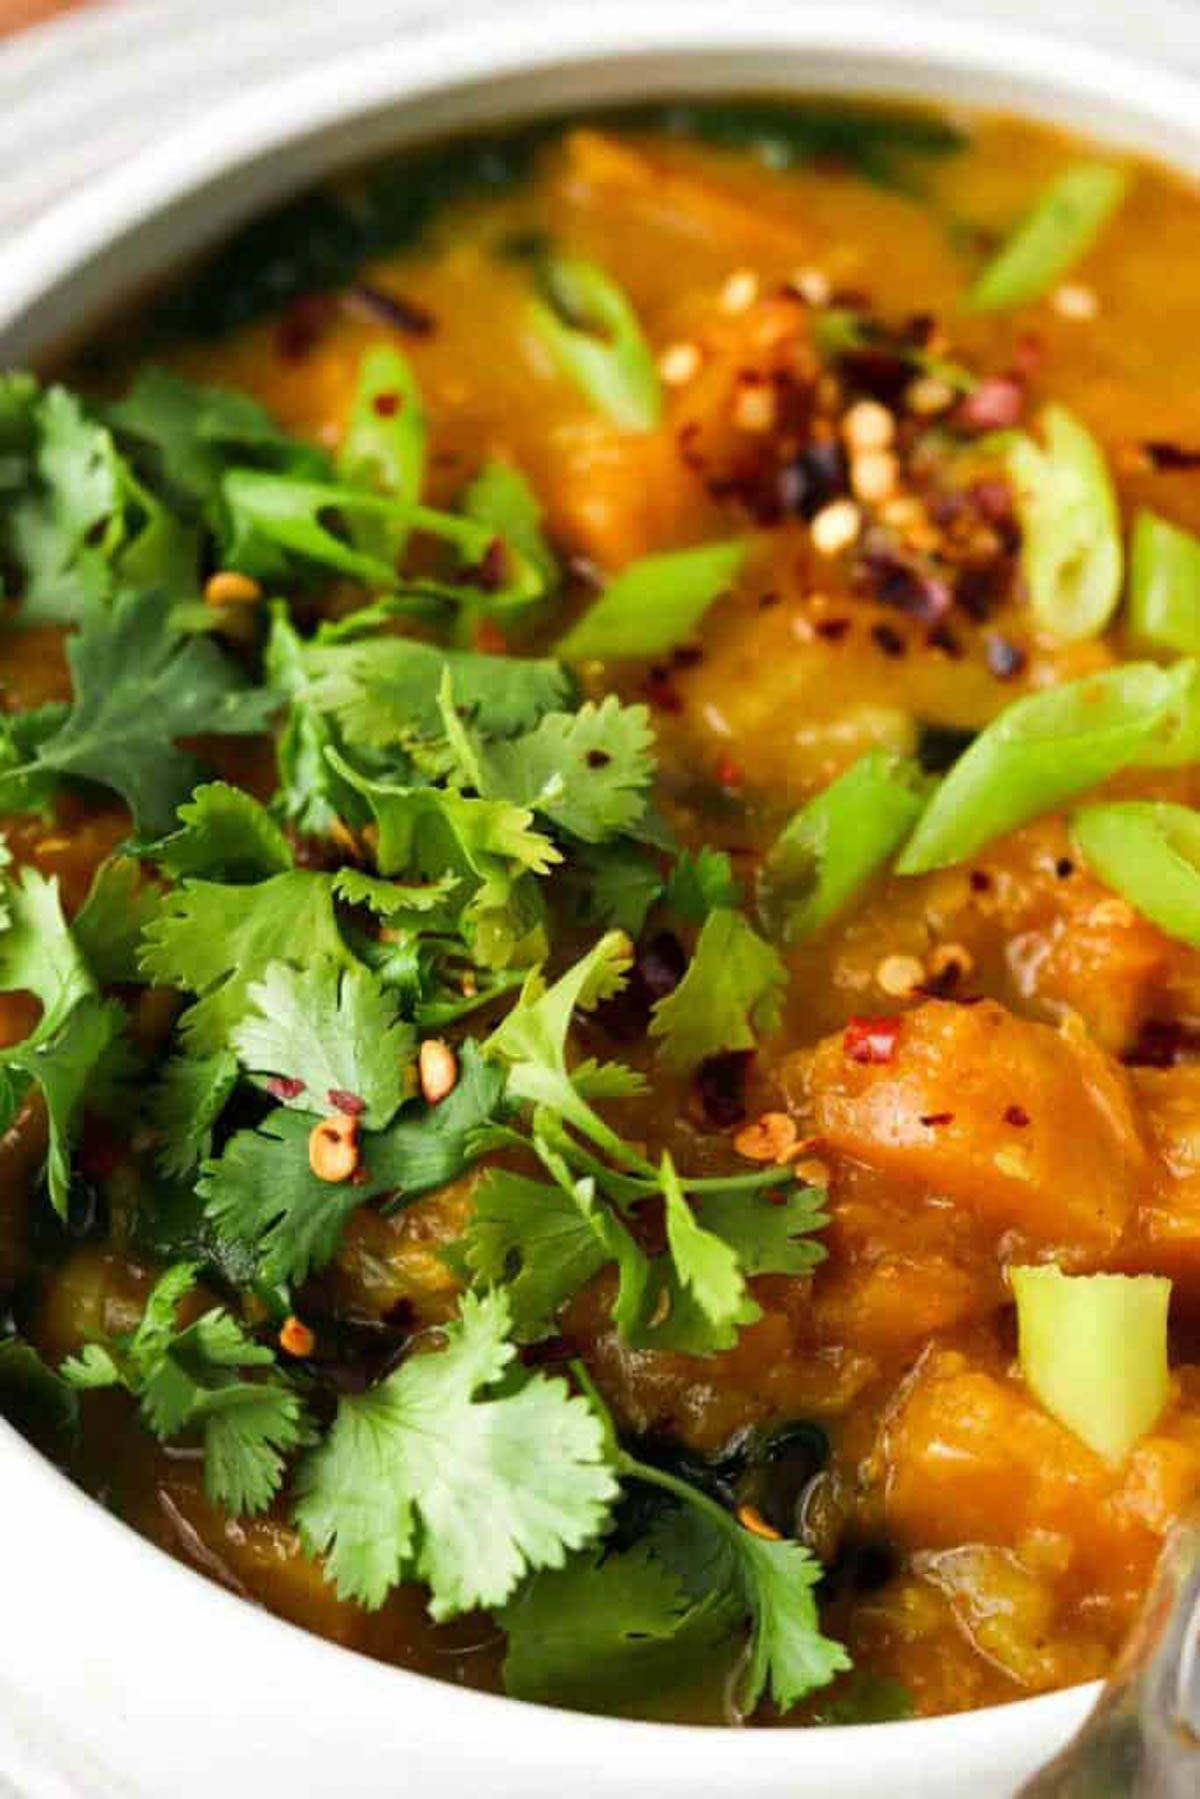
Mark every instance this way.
x=980 y=880
x=285 y=1086
x=1016 y=1115
x=1170 y=456
x=598 y=758
x=931 y=1119
x=888 y=639
x=349 y=1103
x=660 y=692
x=387 y=308
x=361 y=1175
x=872 y=1040
x=491 y=571
x=729 y=773
x=687 y=655
x=98 y=1154
x=386 y=405
x=1064 y=868
x=832 y=629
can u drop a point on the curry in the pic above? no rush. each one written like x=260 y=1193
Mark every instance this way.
x=602 y=953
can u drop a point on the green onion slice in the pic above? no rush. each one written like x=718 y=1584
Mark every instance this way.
x=835 y=843
x=1093 y=1348
x=655 y=603
x=384 y=446
x=1148 y=851
x=593 y=331
x=1049 y=746
x=1061 y=228
x=1071 y=527
x=1164 y=585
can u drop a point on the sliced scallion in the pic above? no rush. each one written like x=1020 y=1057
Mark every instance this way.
x=1071 y=527
x=1148 y=851
x=383 y=449
x=1164 y=585
x=594 y=334
x=654 y=604
x=835 y=843
x=1061 y=228
x=1049 y=746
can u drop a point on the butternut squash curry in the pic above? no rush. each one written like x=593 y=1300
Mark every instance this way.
x=601 y=947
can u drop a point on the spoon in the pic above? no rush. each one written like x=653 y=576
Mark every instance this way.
x=1142 y=1740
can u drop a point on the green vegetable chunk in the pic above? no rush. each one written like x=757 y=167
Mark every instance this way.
x=835 y=843
x=1061 y=228
x=1048 y=747
x=1164 y=585
x=1149 y=851
x=732 y=991
x=1071 y=527
x=593 y=331
x=1094 y=1350
x=654 y=604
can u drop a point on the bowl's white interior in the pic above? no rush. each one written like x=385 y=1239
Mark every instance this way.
x=124 y=1668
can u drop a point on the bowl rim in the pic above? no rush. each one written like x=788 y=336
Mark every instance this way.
x=909 y=52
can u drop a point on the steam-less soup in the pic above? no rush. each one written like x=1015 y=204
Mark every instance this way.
x=601 y=984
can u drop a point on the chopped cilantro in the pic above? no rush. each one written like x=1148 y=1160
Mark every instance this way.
x=456 y=1470
x=730 y=993
x=189 y=1379
x=140 y=685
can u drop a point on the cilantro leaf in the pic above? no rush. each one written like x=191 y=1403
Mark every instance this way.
x=185 y=1106
x=706 y=1265
x=332 y=1028
x=768 y=1233
x=730 y=992
x=654 y=603
x=79 y=1062
x=610 y=1628
x=188 y=1379
x=26 y=787
x=535 y=1240
x=532 y=1040
x=586 y=771
x=216 y=941
x=702 y=881
x=191 y=431
x=38 y=952
x=261 y=1192
x=139 y=685
x=109 y=925
x=610 y=886
x=438 y=1474
x=224 y=835
x=36 y=1400
x=383 y=691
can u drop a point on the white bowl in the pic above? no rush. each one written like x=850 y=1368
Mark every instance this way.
x=122 y=1673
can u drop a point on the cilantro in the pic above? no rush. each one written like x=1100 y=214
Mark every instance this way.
x=26 y=787
x=190 y=433
x=706 y=1266
x=185 y=1106
x=457 y=1471
x=702 y=881
x=610 y=886
x=730 y=992
x=333 y=1029
x=384 y=691
x=610 y=1628
x=225 y=835
x=403 y=901
x=188 y=1379
x=710 y=1553
x=586 y=771
x=76 y=1051
x=216 y=941
x=532 y=1040
x=33 y=1398
x=262 y=1194
x=654 y=604
x=140 y=685
x=109 y=925
x=866 y=1698
x=535 y=1240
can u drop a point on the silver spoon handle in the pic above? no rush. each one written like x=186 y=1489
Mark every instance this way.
x=1142 y=1741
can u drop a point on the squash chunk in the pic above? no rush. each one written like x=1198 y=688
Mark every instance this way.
x=1166 y=1236
x=1027 y=1126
